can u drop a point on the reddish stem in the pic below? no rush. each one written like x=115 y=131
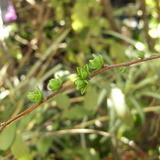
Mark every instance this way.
x=105 y=68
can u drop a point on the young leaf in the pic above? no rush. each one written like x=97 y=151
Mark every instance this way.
x=36 y=96
x=81 y=84
x=55 y=84
x=83 y=72
x=96 y=63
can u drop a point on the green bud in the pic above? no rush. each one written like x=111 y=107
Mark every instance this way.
x=83 y=72
x=55 y=84
x=96 y=63
x=36 y=96
x=81 y=84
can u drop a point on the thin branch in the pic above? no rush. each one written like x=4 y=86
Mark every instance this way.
x=78 y=131
x=125 y=64
x=102 y=133
x=105 y=68
x=27 y=111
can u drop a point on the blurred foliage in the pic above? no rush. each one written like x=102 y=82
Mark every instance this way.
x=51 y=38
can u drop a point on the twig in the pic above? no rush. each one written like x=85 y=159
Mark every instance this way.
x=105 y=68
x=125 y=64
x=27 y=111
x=78 y=131
x=139 y=151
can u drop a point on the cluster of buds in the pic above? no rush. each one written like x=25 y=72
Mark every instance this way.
x=83 y=74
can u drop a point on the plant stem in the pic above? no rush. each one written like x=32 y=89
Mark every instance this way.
x=105 y=68
x=139 y=151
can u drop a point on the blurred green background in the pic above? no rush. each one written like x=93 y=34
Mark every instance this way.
x=53 y=37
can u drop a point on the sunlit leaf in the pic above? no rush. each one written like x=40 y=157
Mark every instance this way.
x=7 y=137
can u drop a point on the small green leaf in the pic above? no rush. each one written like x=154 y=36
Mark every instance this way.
x=83 y=72
x=36 y=96
x=81 y=84
x=55 y=84
x=96 y=63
